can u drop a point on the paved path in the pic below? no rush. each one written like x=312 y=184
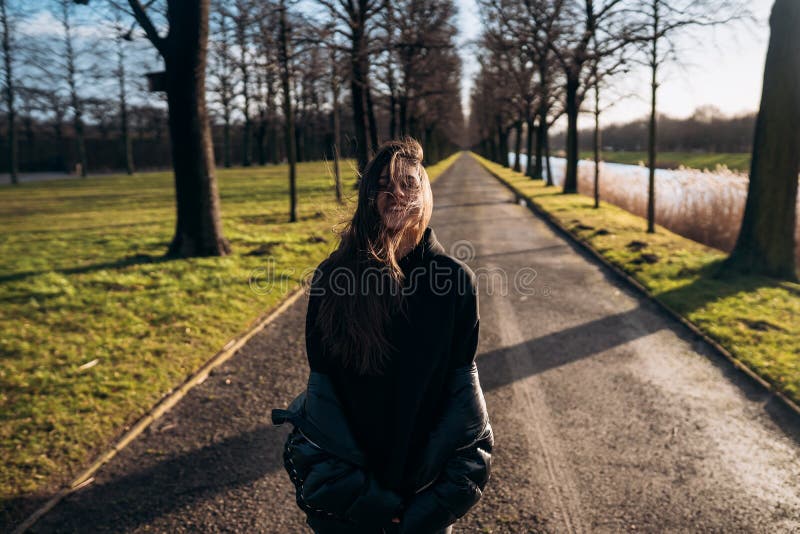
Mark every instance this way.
x=608 y=417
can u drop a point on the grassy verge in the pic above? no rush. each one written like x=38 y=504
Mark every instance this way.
x=95 y=327
x=757 y=319
x=672 y=160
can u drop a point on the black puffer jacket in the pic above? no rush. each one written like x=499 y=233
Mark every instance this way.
x=339 y=494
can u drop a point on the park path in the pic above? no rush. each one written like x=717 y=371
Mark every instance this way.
x=608 y=416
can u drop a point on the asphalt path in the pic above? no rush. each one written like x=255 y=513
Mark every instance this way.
x=608 y=416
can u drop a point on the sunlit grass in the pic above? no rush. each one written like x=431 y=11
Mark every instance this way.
x=757 y=319
x=95 y=327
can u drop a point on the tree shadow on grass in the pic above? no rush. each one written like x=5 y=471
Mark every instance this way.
x=127 y=261
x=709 y=286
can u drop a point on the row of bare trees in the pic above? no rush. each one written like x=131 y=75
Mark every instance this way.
x=542 y=60
x=271 y=75
x=550 y=56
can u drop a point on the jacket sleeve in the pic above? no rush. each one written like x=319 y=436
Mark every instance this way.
x=458 y=488
x=461 y=443
x=331 y=487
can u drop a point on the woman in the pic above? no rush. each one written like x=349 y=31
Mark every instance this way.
x=392 y=433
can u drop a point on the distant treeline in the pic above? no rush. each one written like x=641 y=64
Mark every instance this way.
x=48 y=146
x=707 y=130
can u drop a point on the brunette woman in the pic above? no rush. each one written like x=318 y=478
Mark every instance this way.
x=392 y=433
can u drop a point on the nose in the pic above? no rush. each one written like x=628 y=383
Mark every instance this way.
x=398 y=192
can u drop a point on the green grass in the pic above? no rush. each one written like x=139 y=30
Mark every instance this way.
x=756 y=318
x=95 y=327
x=672 y=160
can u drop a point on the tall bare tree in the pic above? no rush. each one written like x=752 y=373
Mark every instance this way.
x=71 y=75
x=267 y=47
x=335 y=78
x=241 y=14
x=766 y=242
x=573 y=51
x=9 y=89
x=122 y=36
x=198 y=229
x=222 y=75
x=284 y=57
x=659 y=23
x=355 y=20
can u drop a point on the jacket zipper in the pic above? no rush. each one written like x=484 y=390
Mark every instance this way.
x=309 y=439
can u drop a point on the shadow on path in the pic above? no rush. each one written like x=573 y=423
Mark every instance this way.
x=135 y=499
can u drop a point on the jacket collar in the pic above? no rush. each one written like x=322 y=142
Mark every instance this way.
x=427 y=247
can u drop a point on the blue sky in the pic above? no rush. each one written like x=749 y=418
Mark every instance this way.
x=726 y=69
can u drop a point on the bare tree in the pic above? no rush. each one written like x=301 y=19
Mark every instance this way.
x=284 y=57
x=9 y=90
x=222 y=73
x=121 y=75
x=198 y=230
x=268 y=54
x=71 y=75
x=573 y=51
x=766 y=242
x=661 y=21
x=532 y=27
x=242 y=22
x=605 y=64
x=335 y=77
x=355 y=21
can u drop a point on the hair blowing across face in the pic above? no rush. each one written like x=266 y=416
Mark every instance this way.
x=353 y=321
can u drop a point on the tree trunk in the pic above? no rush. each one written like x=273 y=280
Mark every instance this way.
x=503 y=145
x=125 y=131
x=288 y=112
x=261 y=134
x=392 y=102
x=335 y=89
x=357 y=87
x=226 y=139
x=403 y=115
x=547 y=155
x=198 y=231
x=272 y=138
x=651 y=142
x=373 y=125
x=529 y=151
x=541 y=137
x=596 y=139
x=572 y=108
x=13 y=162
x=123 y=109
x=766 y=242
x=247 y=150
x=77 y=105
x=518 y=146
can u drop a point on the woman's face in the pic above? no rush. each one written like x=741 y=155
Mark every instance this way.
x=400 y=200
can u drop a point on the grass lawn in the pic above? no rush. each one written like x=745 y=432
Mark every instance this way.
x=756 y=318
x=672 y=160
x=95 y=327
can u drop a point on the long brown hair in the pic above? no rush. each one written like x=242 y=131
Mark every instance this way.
x=354 y=323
